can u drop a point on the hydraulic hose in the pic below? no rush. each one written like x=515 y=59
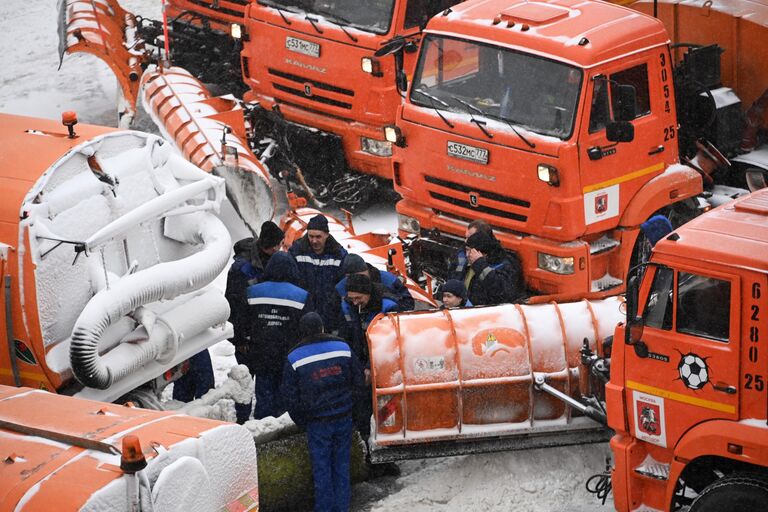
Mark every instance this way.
x=163 y=281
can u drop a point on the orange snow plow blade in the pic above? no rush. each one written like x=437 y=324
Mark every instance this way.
x=210 y=133
x=62 y=453
x=104 y=29
x=462 y=380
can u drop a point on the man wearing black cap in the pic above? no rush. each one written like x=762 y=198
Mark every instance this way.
x=453 y=294
x=321 y=379
x=319 y=257
x=276 y=305
x=355 y=264
x=268 y=243
x=492 y=278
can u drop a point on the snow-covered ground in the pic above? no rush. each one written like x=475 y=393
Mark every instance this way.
x=534 y=480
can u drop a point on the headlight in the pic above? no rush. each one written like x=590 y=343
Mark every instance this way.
x=376 y=147
x=408 y=224
x=556 y=264
x=548 y=174
x=236 y=31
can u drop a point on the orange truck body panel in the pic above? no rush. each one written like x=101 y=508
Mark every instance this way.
x=28 y=147
x=328 y=91
x=220 y=16
x=721 y=414
x=49 y=468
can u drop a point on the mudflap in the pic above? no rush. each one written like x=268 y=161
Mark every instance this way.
x=104 y=29
x=587 y=433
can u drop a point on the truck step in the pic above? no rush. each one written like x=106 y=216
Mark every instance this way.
x=602 y=244
x=606 y=282
x=653 y=469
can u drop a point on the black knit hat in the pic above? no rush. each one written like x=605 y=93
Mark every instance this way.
x=480 y=241
x=310 y=324
x=359 y=283
x=455 y=287
x=243 y=247
x=353 y=264
x=318 y=223
x=271 y=235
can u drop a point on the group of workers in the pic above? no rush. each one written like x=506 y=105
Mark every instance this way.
x=300 y=319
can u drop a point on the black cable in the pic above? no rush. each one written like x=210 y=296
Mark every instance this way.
x=601 y=487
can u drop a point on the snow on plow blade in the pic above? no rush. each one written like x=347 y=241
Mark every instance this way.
x=104 y=29
x=462 y=381
x=210 y=133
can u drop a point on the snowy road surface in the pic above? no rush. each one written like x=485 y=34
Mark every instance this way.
x=535 y=480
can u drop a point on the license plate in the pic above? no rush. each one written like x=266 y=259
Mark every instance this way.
x=471 y=153
x=302 y=46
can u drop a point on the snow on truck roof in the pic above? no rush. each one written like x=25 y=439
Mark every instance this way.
x=734 y=234
x=583 y=32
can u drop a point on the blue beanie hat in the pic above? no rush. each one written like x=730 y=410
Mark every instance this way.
x=318 y=222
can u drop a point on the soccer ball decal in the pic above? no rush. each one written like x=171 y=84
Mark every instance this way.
x=693 y=371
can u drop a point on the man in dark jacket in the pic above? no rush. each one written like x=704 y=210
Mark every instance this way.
x=492 y=277
x=320 y=381
x=319 y=257
x=275 y=307
x=461 y=265
x=355 y=264
x=240 y=275
x=269 y=242
x=363 y=302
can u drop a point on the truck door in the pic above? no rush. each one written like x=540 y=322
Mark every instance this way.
x=690 y=372
x=612 y=173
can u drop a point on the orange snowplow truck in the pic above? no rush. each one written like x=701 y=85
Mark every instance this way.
x=63 y=453
x=687 y=396
x=566 y=125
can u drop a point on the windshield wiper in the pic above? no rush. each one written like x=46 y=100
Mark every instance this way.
x=470 y=108
x=313 y=22
x=509 y=123
x=278 y=9
x=433 y=100
x=340 y=21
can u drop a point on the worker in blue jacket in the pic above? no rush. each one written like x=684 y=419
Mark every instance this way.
x=321 y=379
x=355 y=264
x=276 y=305
x=319 y=257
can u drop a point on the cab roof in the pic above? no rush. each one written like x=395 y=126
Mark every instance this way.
x=735 y=234
x=582 y=32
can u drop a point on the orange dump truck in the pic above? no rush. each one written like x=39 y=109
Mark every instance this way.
x=682 y=382
x=109 y=245
x=567 y=124
x=62 y=453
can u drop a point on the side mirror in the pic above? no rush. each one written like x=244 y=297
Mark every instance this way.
x=624 y=103
x=620 y=131
x=402 y=80
x=392 y=46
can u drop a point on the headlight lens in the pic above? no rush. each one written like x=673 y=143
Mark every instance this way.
x=236 y=31
x=408 y=224
x=376 y=147
x=556 y=264
x=548 y=174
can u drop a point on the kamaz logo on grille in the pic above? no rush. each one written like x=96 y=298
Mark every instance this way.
x=307 y=89
x=473 y=199
x=472 y=153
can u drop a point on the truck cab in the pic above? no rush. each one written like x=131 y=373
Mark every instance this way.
x=315 y=60
x=688 y=373
x=555 y=123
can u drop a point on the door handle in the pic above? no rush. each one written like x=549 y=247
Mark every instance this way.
x=658 y=149
x=724 y=388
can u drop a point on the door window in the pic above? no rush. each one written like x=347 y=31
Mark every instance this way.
x=637 y=77
x=703 y=306
x=658 y=309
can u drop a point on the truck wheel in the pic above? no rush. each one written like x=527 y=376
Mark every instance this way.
x=737 y=492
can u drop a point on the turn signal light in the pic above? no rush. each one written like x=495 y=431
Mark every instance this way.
x=394 y=135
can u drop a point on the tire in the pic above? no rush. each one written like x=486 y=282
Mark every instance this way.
x=737 y=492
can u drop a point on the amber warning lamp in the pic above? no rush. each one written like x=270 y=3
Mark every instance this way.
x=69 y=119
x=132 y=460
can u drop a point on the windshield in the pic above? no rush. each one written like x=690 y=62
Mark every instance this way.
x=368 y=15
x=517 y=88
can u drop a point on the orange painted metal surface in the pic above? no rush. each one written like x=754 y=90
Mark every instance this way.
x=28 y=148
x=210 y=133
x=464 y=373
x=73 y=450
x=104 y=29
